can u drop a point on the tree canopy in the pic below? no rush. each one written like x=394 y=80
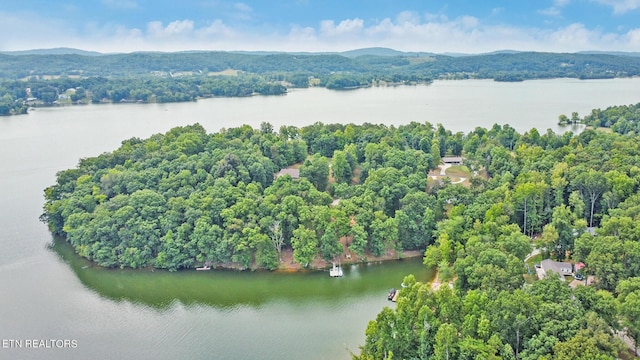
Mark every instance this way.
x=186 y=197
x=548 y=187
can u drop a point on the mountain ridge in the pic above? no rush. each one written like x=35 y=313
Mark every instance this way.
x=367 y=51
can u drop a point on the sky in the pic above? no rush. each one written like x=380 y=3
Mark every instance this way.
x=455 y=26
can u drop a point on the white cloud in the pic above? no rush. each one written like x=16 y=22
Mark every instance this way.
x=216 y=28
x=406 y=31
x=573 y=35
x=469 y=22
x=349 y=26
x=408 y=17
x=302 y=33
x=620 y=6
x=174 y=28
x=633 y=37
x=436 y=17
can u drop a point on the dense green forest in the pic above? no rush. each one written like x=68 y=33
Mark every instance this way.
x=19 y=95
x=528 y=65
x=184 y=198
x=552 y=189
x=622 y=119
x=42 y=80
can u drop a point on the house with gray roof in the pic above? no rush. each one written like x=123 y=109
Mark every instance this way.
x=559 y=267
x=453 y=160
x=294 y=173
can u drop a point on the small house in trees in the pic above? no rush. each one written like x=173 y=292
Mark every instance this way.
x=452 y=160
x=294 y=173
x=558 y=267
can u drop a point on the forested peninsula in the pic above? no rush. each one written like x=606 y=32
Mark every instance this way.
x=34 y=79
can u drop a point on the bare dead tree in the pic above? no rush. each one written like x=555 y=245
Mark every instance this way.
x=277 y=239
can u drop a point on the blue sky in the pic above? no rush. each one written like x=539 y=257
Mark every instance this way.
x=469 y=26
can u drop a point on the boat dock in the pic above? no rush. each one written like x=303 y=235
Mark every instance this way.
x=335 y=271
x=393 y=295
x=205 y=266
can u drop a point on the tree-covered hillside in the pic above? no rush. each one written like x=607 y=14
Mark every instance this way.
x=185 y=198
x=550 y=188
x=45 y=80
x=622 y=119
x=526 y=64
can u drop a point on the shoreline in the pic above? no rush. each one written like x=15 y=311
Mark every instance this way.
x=287 y=265
x=321 y=265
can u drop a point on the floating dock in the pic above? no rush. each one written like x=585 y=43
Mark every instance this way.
x=335 y=271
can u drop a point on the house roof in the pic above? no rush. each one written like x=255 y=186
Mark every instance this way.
x=294 y=173
x=558 y=267
x=451 y=159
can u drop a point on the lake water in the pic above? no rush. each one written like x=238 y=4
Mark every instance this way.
x=47 y=293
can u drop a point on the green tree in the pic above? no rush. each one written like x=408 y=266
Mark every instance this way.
x=562 y=222
x=435 y=152
x=305 y=245
x=317 y=171
x=446 y=342
x=592 y=184
x=630 y=314
x=341 y=168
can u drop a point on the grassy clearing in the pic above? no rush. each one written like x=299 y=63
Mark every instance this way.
x=459 y=171
x=603 y=129
x=534 y=260
x=228 y=72
x=531 y=262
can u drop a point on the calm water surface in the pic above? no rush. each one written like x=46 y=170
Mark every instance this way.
x=48 y=293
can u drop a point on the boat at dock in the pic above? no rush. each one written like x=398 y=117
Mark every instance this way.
x=335 y=271
x=395 y=296
x=203 y=268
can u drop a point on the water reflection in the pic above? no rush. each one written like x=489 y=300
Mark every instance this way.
x=228 y=289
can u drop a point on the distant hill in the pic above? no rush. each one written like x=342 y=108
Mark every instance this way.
x=358 y=65
x=381 y=51
x=371 y=51
x=502 y=52
x=53 y=51
x=616 y=53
